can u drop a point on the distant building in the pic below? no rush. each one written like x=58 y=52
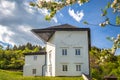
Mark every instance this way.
x=67 y=52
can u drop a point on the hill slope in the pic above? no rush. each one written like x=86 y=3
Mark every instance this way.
x=12 y=75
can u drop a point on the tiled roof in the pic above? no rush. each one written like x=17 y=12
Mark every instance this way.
x=62 y=26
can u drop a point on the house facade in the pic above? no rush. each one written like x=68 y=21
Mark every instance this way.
x=34 y=63
x=67 y=52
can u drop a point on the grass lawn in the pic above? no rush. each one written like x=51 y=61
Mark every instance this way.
x=16 y=75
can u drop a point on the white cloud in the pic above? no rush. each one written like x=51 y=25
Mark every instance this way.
x=4 y=30
x=61 y=15
x=7 y=7
x=25 y=28
x=16 y=29
x=28 y=8
x=55 y=19
x=44 y=11
x=77 y=16
x=5 y=34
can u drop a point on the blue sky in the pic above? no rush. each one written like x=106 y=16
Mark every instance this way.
x=18 y=18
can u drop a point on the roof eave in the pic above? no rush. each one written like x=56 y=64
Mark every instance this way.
x=35 y=31
x=37 y=35
x=36 y=53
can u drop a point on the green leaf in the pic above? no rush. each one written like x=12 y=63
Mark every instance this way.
x=32 y=4
x=85 y=22
x=118 y=45
x=1 y=47
x=47 y=17
x=104 y=12
x=52 y=13
x=108 y=5
x=82 y=1
x=117 y=20
x=110 y=38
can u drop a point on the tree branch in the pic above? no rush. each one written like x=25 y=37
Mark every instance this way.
x=114 y=25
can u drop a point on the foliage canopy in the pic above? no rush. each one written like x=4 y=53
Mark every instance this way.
x=13 y=58
x=55 y=5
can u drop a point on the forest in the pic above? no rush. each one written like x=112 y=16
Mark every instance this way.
x=102 y=62
x=13 y=58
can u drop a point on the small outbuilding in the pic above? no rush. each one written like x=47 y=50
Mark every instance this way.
x=34 y=63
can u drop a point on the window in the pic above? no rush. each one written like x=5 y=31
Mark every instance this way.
x=50 y=58
x=78 y=67
x=33 y=71
x=64 y=51
x=64 y=68
x=35 y=57
x=77 y=51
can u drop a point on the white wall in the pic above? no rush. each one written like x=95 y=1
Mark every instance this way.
x=71 y=40
x=62 y=39
x=50 y=49
x=30 y=64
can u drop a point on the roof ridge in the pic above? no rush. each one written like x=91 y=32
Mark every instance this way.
x=61 y=26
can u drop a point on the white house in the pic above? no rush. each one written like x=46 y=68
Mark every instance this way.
x=67 y=52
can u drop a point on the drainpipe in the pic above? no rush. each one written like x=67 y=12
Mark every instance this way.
x=44 y=64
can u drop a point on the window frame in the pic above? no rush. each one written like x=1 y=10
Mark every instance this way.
x=77 y=51
x=64 y=51
x=64 y=67
x=35 y=57
x=78 y=67
x=34 y=71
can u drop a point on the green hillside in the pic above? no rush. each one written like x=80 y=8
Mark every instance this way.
x=102 y=63
x=16 y=75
